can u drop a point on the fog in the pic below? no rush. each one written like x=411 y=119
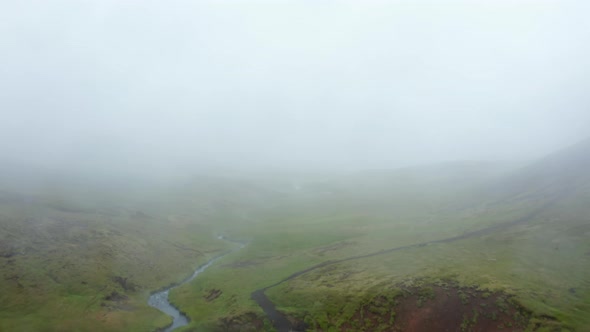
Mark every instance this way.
x=159 y=87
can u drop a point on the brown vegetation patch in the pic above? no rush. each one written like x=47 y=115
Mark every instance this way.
x=8 y=251
x=117 y=301
x=441 y=308
x=247 y=322
x=333 y=247
x=126 y=284
x=242 y=264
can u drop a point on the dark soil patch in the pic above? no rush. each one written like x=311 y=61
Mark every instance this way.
x=116 y=297
x=441 y=308
x=212 y=295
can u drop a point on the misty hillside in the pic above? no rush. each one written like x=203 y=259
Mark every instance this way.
x=566 y=168
x=559 y=175
x=282 y=166
x=108 y=245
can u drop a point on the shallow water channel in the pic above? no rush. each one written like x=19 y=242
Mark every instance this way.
x=159 y=300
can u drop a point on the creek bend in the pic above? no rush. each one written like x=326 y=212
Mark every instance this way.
x=159 y=299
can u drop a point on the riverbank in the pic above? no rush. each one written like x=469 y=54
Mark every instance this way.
x=160 y=301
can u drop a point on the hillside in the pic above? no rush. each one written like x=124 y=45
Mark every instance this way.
x=380 y=250
x=522 y=235
x=77 y=255
x=562 y=173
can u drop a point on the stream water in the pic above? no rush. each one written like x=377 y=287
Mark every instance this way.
x=159 y=300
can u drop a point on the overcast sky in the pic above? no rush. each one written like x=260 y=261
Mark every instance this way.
x=164 y=85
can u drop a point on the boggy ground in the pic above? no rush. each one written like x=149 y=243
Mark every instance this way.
x=440 y=308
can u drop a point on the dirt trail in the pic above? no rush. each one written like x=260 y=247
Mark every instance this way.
x=282 y=324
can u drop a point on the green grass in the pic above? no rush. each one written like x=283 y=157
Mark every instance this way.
x=60 y=263
x=540 y=263
x=521 y=260
x=63 y=254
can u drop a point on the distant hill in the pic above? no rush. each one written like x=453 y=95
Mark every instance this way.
x=555 y=176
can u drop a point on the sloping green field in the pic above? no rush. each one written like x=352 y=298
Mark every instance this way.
x=76 y=260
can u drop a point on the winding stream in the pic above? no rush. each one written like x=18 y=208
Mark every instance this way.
x=159 y=299
x=280 y=322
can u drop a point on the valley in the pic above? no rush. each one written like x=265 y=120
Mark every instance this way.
x=505 y=250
